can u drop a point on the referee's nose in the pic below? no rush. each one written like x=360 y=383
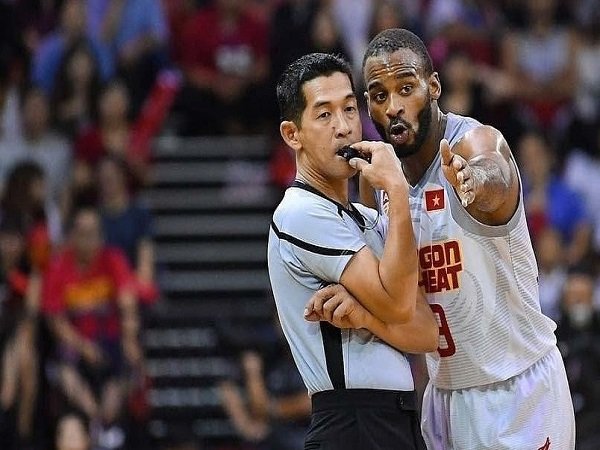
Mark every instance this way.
x=342 y=126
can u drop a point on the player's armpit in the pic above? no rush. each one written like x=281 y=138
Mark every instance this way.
x=419 y=335
x=363 y=278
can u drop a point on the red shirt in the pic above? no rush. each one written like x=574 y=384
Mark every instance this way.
x=204 y=44
x=88 y=297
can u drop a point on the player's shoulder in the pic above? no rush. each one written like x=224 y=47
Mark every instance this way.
x=469 y=137
x=460 y=127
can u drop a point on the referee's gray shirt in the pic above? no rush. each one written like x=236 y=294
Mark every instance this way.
x=311 y=240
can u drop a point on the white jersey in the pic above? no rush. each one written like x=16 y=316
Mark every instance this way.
x=480 y=281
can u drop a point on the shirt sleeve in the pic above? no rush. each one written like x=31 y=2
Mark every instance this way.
x=319 y=240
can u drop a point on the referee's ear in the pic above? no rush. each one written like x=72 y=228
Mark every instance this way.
x=290 y=134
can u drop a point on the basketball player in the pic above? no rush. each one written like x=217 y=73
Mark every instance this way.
x=497 y=380
x=361 y=388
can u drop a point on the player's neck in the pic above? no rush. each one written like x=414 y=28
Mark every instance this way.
x=416 y=165
x=336 y=190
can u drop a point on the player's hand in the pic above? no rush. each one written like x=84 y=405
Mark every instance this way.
x=458 y=173
x=337 y=306
x=385 y=171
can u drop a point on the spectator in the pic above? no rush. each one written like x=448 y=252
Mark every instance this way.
x=578 y=335
x=325 y=37
x=176 y=12
x=135 y=31
x=19 y=306
x=552 y=271
x=540 y=60
x=25 y=200
x=36 y=19
x=386 y=14
x=13 y=65
x=587 y=94
x=39 y=144
x=549 y=202
x=582 y=173
x=467 y=26
x=462 y=91
x=225 y=62
x=276 y=414
x=89 y=300
x=49 y=55
x=77 y=85
x=127 y=225
x=112 y=134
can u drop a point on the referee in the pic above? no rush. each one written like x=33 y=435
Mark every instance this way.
x=361 y=387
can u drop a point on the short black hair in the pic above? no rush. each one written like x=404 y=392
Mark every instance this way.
x=393 y=39
x=306 y=68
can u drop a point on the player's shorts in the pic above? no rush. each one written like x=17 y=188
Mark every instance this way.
x=531 y=411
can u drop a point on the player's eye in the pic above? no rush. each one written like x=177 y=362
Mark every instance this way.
x=379 y=97
x=350 y=108
x=324 y=115
x=406 y=89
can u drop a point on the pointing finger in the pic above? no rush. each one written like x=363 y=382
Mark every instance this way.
x=447 y=154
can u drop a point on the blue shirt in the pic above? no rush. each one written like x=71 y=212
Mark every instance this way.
x=565 y=208
x=126 y=229
x=48 y=58
x=141 y=17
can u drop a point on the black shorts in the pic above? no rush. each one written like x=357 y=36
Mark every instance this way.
x=364 y=419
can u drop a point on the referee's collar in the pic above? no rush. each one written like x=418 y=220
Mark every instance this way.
x=351 y=211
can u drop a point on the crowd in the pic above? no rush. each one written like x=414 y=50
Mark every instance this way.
x=86 y=85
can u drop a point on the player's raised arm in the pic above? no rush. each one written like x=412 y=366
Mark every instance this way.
x=386 y=287
x=483 y=174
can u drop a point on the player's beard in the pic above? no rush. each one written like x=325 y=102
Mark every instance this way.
x=424 y=123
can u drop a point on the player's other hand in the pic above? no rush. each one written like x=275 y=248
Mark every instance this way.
x=458 y=173
x=337 y=306
x=385 y=171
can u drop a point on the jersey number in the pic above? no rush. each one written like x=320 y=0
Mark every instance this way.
x=449 y=349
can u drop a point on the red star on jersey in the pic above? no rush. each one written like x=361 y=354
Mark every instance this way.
x=434 y=200
x=546 y=445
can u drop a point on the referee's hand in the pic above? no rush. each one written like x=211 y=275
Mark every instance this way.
x=334 y=304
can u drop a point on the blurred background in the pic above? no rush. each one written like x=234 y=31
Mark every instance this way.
x=140 y=162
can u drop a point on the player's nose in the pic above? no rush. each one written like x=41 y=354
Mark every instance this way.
x=395 y=106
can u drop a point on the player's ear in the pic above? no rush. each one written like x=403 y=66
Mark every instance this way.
x=290 y=134
x=368 y=100
x=435 y=86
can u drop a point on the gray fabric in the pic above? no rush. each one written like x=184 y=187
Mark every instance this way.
x=307 y=222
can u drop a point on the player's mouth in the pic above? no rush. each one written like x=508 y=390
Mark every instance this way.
x=398 y=133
